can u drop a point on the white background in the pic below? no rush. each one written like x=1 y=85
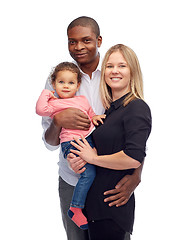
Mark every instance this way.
x=33 y=39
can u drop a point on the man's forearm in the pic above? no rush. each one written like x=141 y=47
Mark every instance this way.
x=138 y=172
x=52 y=134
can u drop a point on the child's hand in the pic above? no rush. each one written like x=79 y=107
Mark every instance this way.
x=98 y=118
x=52 y=94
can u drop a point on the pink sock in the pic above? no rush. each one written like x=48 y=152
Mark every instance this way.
x=78 y=217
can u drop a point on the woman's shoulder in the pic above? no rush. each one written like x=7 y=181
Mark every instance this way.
x=138 y=105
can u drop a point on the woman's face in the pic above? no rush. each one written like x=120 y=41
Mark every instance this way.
x=117 y=75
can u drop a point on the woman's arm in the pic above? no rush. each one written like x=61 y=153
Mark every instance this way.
x=116 y=161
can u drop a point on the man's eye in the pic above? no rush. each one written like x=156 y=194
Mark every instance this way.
x=71 y=42
x=87 y=40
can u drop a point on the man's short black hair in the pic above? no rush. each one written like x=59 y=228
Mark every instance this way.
x=85 y=22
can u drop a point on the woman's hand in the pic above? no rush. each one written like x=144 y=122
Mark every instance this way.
x=84 y=150
x=76 y=163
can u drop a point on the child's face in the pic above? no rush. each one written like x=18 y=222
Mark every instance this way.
x=66 y=84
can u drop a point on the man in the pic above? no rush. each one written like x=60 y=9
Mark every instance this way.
x=83 y=42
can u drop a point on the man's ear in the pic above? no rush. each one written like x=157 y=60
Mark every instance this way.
x=99 y=41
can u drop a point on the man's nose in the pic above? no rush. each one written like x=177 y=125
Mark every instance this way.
x=79 y=46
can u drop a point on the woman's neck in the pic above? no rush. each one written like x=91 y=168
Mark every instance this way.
x=118 y=94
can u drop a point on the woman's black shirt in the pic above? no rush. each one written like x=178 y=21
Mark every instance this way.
x=125 y=128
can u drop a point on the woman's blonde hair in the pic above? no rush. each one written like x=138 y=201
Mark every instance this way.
x=136 y=81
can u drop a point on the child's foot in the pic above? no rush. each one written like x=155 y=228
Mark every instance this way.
x=78 y=217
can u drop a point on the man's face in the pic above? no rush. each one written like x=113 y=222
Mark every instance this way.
x=83 y=44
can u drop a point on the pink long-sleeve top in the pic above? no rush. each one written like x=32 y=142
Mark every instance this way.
x=47 y=106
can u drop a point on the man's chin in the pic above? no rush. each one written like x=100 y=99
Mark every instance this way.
x=81 y=59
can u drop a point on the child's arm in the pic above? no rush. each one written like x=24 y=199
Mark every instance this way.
x=98 y=118
x=43 y=108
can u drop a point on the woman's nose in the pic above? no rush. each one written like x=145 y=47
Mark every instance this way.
x=115 y=70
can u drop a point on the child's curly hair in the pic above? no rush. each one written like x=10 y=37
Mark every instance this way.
x=66 y=66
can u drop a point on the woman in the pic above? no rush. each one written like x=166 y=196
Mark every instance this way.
x=120 y=142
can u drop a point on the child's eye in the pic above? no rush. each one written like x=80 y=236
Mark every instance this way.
x=71 y=83
x=61 y=82
x=109 y=66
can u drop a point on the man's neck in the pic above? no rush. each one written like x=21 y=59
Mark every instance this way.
x=89 y=68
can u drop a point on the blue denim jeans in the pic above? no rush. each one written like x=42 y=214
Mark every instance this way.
x=86 y=178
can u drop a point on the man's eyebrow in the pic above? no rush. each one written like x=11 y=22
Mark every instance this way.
x=82 y=38
x=87 y=37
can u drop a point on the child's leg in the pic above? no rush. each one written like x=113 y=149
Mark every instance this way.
x=79 y=196
x=78 y=217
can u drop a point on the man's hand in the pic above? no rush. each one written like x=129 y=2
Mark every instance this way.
x=72 y=118
x=123 y=190
x=76 y=163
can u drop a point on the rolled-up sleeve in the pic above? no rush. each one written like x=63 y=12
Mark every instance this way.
x=137 y=125
x=46 y=121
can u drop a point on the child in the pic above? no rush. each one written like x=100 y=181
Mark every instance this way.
x=66 y=80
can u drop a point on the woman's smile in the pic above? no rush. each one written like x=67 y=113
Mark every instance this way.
x=115 y=79
x=117 y=75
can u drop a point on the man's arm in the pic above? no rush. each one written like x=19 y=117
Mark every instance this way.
x=124 y=188
x=52 y=134
x=71 y=118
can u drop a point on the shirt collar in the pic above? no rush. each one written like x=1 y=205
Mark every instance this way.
x=98 y=67
x=100 y=63
x=119 y=102
x=115 y=105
